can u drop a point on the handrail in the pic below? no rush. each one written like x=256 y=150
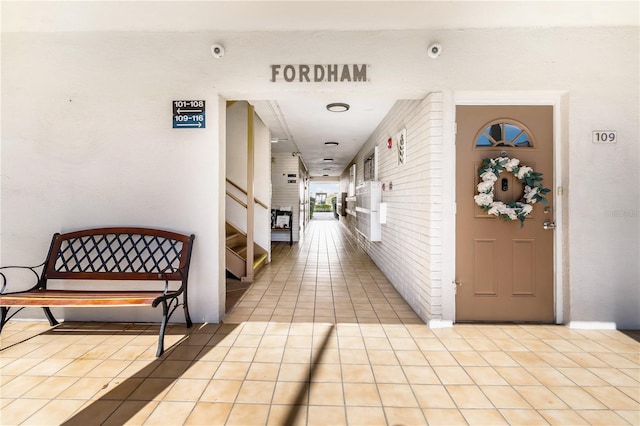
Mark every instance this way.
x=237 y=200
x=239 y=188
x=236 y=186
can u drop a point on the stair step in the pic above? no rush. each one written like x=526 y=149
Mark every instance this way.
x=236 y=245
x=236 y=265
x=242 y=252
x=259 y=260
x=235 y=242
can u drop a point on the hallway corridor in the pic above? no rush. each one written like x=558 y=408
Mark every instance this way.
x=321 y=338
x=326 y=278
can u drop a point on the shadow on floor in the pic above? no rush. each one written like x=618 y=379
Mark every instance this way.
x=235 y=290
x=634 y=334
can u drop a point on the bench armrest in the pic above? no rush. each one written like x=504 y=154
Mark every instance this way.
x=163 y=275
x=3 y=276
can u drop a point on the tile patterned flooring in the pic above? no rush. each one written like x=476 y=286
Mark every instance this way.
x=321 y=338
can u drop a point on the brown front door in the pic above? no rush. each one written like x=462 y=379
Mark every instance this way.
x=504 y=271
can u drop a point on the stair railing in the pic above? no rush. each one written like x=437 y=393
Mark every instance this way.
x=238 y=200
x=250 y=213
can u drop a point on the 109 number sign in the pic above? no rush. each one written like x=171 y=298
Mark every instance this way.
x=605 y=136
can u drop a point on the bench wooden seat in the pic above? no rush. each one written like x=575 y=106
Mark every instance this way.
x=67 y=298
x=143 y=255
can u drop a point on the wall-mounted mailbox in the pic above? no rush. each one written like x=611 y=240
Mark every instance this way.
x=368 y=198
x=383 y=213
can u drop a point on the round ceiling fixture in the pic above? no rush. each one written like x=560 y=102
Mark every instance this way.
x=332 y=143
x=338 y=107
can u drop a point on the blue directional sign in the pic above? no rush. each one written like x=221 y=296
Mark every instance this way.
x=188 y=115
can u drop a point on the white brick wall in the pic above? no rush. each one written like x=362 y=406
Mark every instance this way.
x=410 y=253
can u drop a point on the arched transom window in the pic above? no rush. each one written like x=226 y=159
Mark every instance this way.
x=504 y=132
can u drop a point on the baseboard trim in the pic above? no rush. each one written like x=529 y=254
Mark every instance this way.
x=592 y=325
x=440 y=324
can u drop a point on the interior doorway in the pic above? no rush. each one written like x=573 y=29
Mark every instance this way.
x=323 y=199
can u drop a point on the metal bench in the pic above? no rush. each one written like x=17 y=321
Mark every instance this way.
x=124 y=254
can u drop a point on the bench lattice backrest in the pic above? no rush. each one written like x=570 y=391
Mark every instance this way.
x=119 y=253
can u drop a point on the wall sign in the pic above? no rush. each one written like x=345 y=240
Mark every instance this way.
x=319 y=73
x=605 y=136
x=188 y=114
x=401 y=144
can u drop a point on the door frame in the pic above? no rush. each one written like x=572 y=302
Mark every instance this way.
x=559 y=101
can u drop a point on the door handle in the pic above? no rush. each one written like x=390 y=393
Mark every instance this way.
x=549 y=225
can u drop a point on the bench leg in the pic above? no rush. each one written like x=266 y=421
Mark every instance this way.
x=4 y=316
x=4 y=311
x=49 y=315
x=167 y=311
x=163 y=327
x=187 y=317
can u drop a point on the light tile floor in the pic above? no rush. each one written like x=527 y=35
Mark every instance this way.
x=320 y=338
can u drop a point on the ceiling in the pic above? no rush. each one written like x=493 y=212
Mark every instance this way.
x=309 y=15
x=302 y=124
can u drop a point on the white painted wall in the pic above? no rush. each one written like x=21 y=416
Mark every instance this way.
x=88 y=142
x=236 y=163
x=87 y=138
x=237 y=145
x=262 y=183
x=236 y=159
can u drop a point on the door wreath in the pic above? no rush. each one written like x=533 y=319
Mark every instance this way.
x=514 y=210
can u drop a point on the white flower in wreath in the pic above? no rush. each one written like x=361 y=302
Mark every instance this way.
x=523 y=171
x=529 y=194
x=483 y=199
x=511 y=164
x=485 y=186
x=497 y=208
x=527 y=208
x=489 y=175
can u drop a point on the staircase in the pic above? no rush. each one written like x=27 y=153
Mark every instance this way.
x=236 y=252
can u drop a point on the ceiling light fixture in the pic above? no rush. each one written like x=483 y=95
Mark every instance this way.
x=327 y=159
x=332 y=143
x=338 y=107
